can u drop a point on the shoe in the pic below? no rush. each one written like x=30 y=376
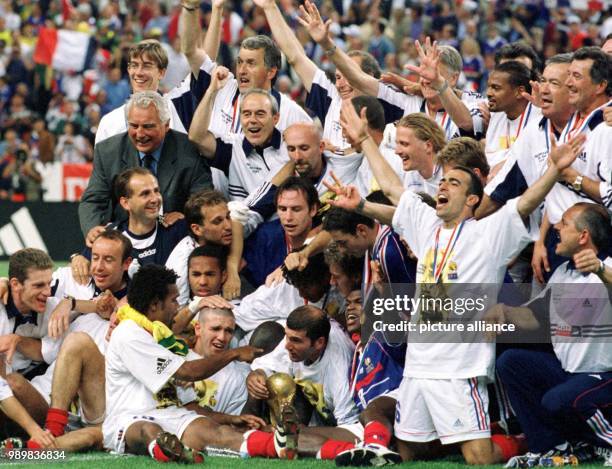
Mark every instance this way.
x=605 y=454
x=174 y=450
x=286 y=434
x=371 y=454
x=525 y=460
x=570 y=456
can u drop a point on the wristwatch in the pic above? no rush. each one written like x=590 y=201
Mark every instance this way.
x=601 y=269
x=577 y=184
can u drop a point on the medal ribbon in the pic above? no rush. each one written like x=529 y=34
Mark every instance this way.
x=449 y=248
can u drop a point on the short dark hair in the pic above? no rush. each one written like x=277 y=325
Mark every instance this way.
x=475 y=186
x=338 y=219
x=350 y=266
x=375 y=114
x=151 y=47
x=465 y=151
x=150 y=284
x=596 y=220
x=369 y=64
x=378 y=197
x=203 y=198
x=267 y=336
x=272 y=54
x=299 y=184
x=601 y=70
x=565 y=58
x=122 y=181
x=310 y=319
x=518 y=74
x=25 y=259
x=514 y=50
x=315 y=272
x=210 y=250
x=116 y=235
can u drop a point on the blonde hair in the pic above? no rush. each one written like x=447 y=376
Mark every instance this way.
x=424 y=129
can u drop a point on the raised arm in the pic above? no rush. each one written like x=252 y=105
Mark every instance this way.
x=189 y=31
x=428 y=70
x=561 y=157
x=348 y=198
x=319 y=31
x=212 y=39
x=198 y=132
x=356 y=129
x=286 y=39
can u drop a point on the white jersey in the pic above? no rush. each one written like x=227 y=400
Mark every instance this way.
x=246 y=168
x=5 y=389
x=275 y=303
x=594 y=162
x=397 y=104
x=328 y=375
x=225 y=118
x=137 y=371
x=580 y=320
x=325 y=102
x=32 y=325
x=177 y=261
x=503 y=132
x=469 y=260
x=224 y=392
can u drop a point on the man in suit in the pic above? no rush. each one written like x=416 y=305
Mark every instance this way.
x=150 y=143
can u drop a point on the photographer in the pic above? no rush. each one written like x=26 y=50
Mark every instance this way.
x=19 y=178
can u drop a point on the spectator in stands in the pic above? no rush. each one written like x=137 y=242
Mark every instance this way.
x=73 y=148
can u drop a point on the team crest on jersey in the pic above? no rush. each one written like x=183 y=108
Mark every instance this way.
x=254 y=168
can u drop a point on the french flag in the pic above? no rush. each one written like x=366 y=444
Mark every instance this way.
x=64 y=50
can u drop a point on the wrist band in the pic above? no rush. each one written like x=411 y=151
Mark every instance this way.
x=360 y=205
x=72 y=302
x=601 y=269
x=194 y=305
x=363 y=139
x=331 y=51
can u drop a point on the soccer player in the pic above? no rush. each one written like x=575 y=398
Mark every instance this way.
x=450 y=248
x=143 y=359
x=324 y=97
x=257 y=66
x=225 y=391
x=575 y=382
x=511 y=113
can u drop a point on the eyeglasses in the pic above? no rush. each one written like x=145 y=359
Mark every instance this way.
x=146 y=66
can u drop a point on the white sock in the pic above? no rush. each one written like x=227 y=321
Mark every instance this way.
x=151 y=446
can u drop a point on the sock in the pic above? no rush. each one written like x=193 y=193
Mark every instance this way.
x=57 y=419
x=156 y=452
x=376 y=432
x=510 y=446
x=332 y=448
x=260 y=444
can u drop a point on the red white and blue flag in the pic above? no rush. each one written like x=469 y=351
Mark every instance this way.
x=64 y=50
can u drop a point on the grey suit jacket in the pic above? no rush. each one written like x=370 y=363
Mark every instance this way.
x=181 y=171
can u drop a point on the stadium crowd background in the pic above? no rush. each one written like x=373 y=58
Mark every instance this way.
x=47 y=115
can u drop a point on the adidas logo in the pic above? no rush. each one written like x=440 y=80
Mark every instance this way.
x=586 y=303
x=458 y=423
x=20 y=232
x=162 y=364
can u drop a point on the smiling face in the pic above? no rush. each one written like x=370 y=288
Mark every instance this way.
x=144 y=73
x=294 y=214
x=205 y=276
x=214 y=333
x=145 y=129
x=107 y=268
x=257 y=119
x=582 y=90
x=305 y=149
x=353 y=311
x=145 y=200
x=553 y=90
x=453 y=202
x=415 y=153
x=32 y=294
x=251 y=71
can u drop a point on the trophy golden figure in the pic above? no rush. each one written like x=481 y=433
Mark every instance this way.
x=282 y=390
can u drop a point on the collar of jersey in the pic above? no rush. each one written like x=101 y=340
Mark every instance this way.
x=572 y=266
x=13 y=312
x=274 y=142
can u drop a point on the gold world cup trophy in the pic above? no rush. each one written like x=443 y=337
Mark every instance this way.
x=282 y=391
